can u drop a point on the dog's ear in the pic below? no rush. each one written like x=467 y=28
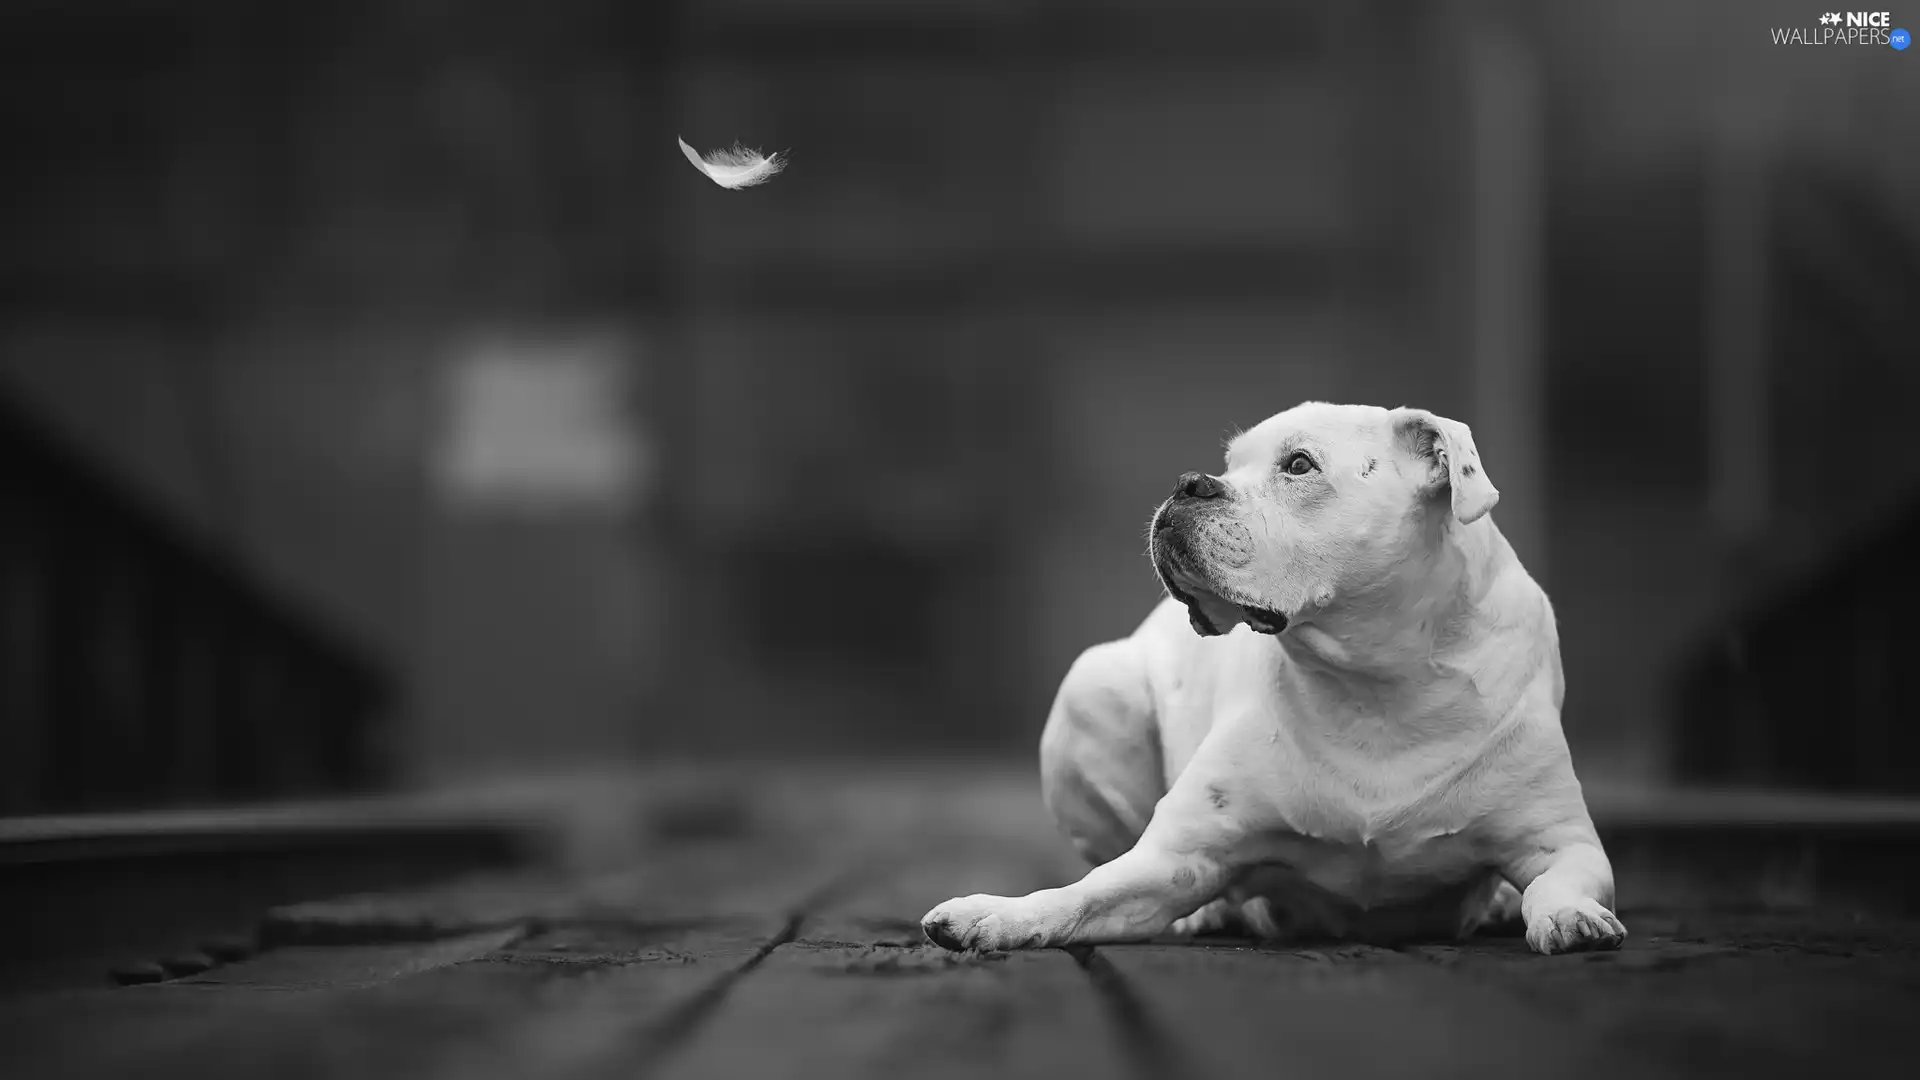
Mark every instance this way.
x=1453 y=462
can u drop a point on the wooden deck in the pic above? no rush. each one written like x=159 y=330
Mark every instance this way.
x=781 y=940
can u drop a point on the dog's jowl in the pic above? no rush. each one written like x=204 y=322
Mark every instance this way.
x=1343 y=720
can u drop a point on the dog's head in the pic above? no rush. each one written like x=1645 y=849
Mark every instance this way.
x=1318 y=505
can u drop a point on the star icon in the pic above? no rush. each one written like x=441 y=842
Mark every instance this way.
x=1831 y=18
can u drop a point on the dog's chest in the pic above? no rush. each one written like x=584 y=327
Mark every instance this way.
x=1369 y=851
x=1385 y=869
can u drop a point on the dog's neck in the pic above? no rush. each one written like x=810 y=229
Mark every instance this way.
x=1391 y=671
x=1403 y=624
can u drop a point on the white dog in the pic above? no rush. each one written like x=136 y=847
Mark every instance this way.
x=1359 y=736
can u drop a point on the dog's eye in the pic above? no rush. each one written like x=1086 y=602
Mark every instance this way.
x=1297 y=464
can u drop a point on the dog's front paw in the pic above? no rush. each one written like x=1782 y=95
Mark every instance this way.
x=1578 y=926
x=983 y=923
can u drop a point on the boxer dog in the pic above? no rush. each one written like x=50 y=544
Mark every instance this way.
x=1343 y=721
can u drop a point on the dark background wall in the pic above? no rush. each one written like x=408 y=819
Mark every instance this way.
x=871 y=447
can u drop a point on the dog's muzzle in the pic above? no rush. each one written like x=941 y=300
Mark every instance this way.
x=1174 y=564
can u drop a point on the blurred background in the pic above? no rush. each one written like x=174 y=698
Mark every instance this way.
x=384 y=399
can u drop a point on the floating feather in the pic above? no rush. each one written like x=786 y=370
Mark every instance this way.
x=735 y=168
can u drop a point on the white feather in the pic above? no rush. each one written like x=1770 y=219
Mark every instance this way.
x=735 y=168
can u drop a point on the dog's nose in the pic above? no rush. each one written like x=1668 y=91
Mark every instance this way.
x=1195 y=485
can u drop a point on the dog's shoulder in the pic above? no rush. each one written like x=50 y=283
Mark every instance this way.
x=1507 y=643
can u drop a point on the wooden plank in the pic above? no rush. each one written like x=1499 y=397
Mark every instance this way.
x=1349 y=1011
x=701 y=882
x=572 y=1000
x=361 y=966
x=860 y=993
x=888 y=1010
x=522 y=975
x=607 y=1009
x=1786 y=995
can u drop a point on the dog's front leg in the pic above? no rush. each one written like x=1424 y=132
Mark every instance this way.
x=1134 y=897
x=1566 y=884
x=1182 y=860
